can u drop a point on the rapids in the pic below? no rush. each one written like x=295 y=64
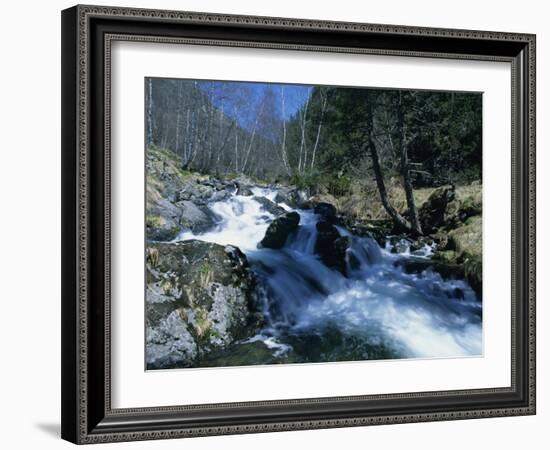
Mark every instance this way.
x=313 y=313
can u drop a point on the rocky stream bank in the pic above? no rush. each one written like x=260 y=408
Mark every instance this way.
x=203 y=298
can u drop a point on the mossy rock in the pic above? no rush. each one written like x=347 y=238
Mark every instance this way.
x=439 y=210
x=467 y=238
x=446 y=256
x=211 y=287
x=160 y=228
x=243 y=354
x=473 y=269
x=464 y=246
x=470 y=199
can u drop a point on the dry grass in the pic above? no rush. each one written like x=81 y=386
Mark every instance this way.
x=364 y=201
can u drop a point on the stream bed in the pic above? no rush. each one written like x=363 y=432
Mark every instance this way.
x=313 y=313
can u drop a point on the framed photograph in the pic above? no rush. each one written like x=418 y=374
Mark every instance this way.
x=281 y=224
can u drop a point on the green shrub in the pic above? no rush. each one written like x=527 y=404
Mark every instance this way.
x=307 y=181
x=339 y=185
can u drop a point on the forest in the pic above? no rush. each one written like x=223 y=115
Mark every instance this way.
x=297 y=223
x=330 y=136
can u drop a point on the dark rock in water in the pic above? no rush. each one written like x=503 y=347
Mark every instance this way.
x=401 y=247
x=243 y=189
x=324 y=227
x=197 y=218
x=326 y=211
x=220 y=195
x=269 y=206
x=293 y=197
x=330 y=246
x=399 y=244
x=303 y=200
x=279 y=230
x=420 y=243
x=285 y=195
x=457 y=293
x=439 y=210
x=200 y=296
x=245 y=354
x=419 y=265
x=341 y=245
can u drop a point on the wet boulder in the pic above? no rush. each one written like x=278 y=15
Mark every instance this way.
x=285 y=195
x=279 y=230
x=293 y=197
x=243 y=189
x=327 y=211
x=197 y=218
x=200 y=296
x=399 y=244
x=418 y=265
x=219 y=196
x=330 y=246
x=269 y=206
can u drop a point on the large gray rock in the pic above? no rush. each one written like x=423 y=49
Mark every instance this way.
x=196 y=192
x=197 y=218
x=163 y=221
x=293 y=197
x=269 y=206
x=243 y=189
x=177 y=199
x=279 y=230
x=169 y=343
x=200 y=296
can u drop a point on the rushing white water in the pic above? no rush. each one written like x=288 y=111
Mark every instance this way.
x=376 y=306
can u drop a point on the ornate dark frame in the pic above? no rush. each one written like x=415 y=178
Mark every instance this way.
x=87 y=33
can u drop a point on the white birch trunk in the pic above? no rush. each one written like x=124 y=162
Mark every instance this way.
x=324 y=102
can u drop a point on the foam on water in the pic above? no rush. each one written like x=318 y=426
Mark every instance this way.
x=415 y=315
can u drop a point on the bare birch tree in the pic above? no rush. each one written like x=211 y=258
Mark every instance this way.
x=302 y=161
x=323 y=98
x=150 y=113
x=284 y=156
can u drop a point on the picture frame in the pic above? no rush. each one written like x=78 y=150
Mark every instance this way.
x=87 y=413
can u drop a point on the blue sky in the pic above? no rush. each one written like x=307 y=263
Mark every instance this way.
x=247 y=96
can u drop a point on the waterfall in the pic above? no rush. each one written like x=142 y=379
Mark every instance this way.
x=376 y=311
